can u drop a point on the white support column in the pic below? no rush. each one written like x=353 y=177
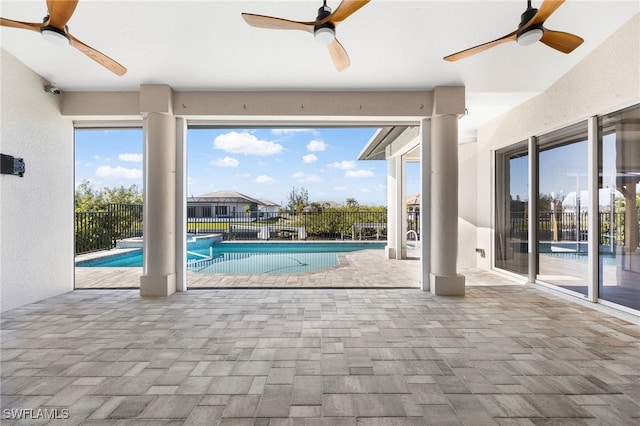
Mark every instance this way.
x=401 y=232
x=396 y=171
x=181 y=204
x=444 y=277
x=159 y=272
x=425 y=204
x=392 y=209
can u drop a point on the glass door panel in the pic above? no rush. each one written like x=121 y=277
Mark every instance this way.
x=563 y=210
x=619 y=206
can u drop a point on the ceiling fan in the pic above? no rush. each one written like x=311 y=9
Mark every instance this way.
x=323 y=28
x=530 y=30
x=54 y=28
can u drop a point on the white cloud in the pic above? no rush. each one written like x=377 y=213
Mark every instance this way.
x=341 y=188
x=365 y=190
x=118 y=172
x=311 y=178
x=358 y=173
x=303 y=177
x=130 y=157
x=309 y=158
x=226 y=162
x=243 y=175
x=264 y=179
x=343 y=165
x=246 y=143
x=316 y=146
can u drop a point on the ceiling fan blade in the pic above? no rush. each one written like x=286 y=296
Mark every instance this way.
x=338 y=55
x=97 y=56
x=480 y=48
x=546 y=9
x=559 y=40
x=17 y=24
x=261 y=21
x=60 y=12
x=345 y=9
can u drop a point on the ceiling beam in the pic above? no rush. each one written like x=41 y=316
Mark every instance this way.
x=321 y=107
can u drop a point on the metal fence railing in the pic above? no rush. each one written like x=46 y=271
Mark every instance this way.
x=100 y=230
x=567 y=226
x=93 y=232
x=126 y=220
x=330 y=224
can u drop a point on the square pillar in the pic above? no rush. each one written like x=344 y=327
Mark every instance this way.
x=159 y=241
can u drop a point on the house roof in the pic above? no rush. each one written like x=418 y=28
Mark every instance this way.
x=413 y=200
x=267 y=203
x=224 y=197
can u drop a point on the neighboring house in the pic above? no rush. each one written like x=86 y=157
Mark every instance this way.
x=268 y=207
x=413 y=206
x=221 y=204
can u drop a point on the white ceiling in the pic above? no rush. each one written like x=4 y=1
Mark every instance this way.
x=393 y=45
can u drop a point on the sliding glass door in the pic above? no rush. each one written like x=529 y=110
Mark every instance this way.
x=619 y=205
x=563 y=208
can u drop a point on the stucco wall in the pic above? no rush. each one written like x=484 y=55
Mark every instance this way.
x=607 y=79
x=467 y=201
x=36 y=211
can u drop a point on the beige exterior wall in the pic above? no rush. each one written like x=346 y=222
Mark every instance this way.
x=467 y=201
x=606 y=80
x=36 y=211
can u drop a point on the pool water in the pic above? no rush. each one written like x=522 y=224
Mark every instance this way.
x=605 y=259
x=249 y=258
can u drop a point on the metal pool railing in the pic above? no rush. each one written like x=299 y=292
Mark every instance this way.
x=100 y=230
x=330 y=224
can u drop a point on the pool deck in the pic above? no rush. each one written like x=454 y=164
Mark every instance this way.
x=359 y=269
x=503 y=355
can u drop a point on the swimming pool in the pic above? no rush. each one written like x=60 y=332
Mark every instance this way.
x=233 y=258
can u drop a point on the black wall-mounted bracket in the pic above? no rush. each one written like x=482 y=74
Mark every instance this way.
x=10 y=165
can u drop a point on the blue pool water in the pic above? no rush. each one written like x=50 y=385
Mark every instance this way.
x=605 y=259
x=249 y=258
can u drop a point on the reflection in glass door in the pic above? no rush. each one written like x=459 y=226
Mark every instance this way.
x=562 y=209
x=512 y=210
x=619 y=205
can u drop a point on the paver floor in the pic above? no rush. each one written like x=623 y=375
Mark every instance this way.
x=504 y=354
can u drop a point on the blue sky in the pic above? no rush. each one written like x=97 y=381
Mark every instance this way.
x=260 y=163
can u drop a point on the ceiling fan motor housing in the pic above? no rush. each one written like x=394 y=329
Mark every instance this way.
x=532 y=34
x=526 y=16
x=325 y=33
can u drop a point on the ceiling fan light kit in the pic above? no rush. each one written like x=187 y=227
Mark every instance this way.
x=54 y=36
x=324 y=35
x=530 y=37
